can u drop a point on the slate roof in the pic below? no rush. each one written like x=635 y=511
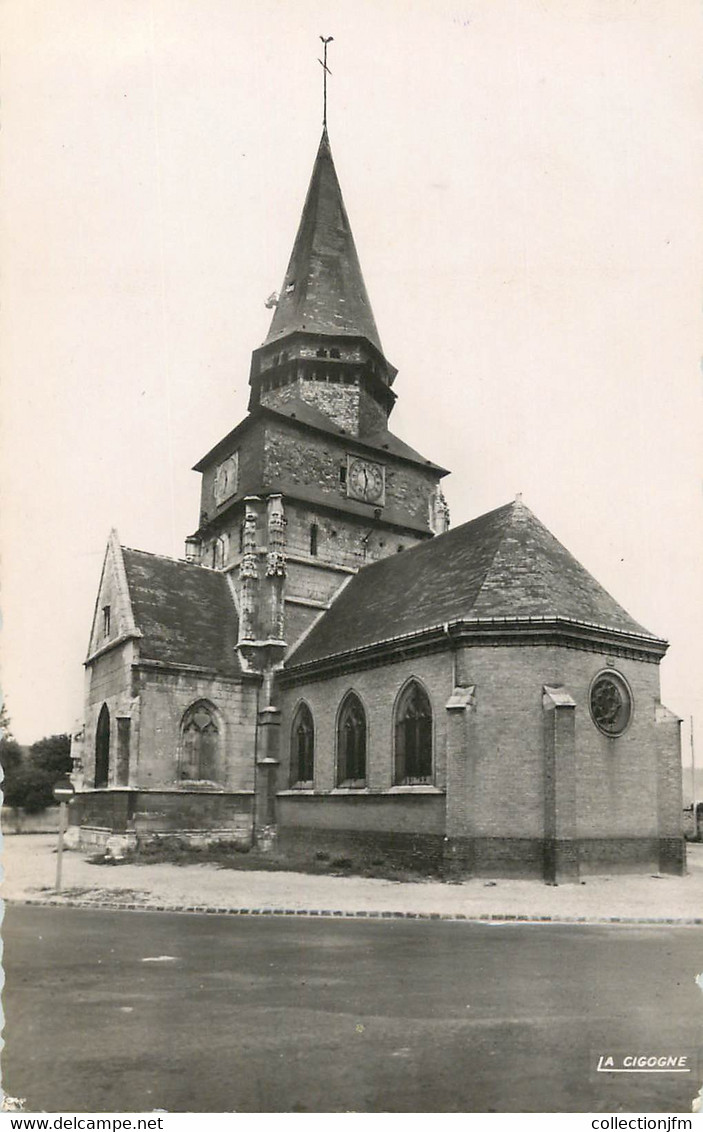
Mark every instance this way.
x=323 y=290
x=299 y=410
x=505 y=565
x=186 y=613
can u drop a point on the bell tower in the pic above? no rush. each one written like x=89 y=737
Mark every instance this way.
x=312 y=485
x=323 y=346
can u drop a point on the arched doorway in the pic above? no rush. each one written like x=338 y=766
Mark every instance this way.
x=102 y=748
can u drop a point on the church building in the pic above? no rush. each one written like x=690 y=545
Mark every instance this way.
x=332 y=669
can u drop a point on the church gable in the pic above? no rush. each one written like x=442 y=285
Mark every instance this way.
x=113 y=619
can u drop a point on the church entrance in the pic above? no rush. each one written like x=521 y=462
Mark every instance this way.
x=102 y=749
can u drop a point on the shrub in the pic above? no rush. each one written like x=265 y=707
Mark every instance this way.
x=29 y=781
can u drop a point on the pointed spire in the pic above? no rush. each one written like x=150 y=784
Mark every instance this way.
x=323 y=291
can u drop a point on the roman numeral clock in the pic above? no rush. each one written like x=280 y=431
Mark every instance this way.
x=366 y=480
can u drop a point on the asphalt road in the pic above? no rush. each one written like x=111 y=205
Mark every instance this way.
x=272 y=1014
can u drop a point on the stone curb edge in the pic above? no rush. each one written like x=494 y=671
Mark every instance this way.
x=468 y=917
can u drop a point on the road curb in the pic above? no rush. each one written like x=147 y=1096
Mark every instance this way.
x=364 y=914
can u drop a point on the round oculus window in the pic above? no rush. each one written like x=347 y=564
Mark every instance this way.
x=611 y=703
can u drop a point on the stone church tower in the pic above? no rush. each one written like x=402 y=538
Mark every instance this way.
x=312 y=485
x=477 y=702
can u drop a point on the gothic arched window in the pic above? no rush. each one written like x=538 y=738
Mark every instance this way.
x=102 y=749
x=413 y=736
x=302 y=748
x=351 y=743
x=200 y=744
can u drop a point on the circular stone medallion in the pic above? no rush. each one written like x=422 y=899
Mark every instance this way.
x=610 y=703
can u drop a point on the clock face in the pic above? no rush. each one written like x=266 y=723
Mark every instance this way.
x=366 y=480
x=226 y=479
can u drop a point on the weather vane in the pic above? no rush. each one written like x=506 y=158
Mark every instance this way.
x=323 y=63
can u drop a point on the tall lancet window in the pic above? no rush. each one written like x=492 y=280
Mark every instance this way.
x=413 y=737
x=302 y=753
x=102 y=749
x=200 y=745
x=351 y=743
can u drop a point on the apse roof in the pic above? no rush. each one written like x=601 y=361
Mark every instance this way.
x=503 y=565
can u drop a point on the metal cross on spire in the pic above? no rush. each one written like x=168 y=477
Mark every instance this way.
x=323 y=63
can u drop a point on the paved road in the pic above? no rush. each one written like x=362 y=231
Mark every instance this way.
x=268 y=1014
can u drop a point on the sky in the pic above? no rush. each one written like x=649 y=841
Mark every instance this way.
x=523 y=182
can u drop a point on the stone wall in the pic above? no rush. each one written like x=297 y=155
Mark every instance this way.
x=17 y=821
x=250 y=447
x=109 y=682
x=313 y=462
x=145 y=816
x=337 y=401
x=165 y=696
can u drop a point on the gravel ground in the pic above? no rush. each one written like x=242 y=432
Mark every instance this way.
x=29 y=867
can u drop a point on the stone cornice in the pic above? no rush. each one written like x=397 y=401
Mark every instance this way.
x=130 y=635
x=514 y=632
x=195 y=670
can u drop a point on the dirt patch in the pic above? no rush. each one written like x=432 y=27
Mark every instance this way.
x=224 y=855
x=113 y=895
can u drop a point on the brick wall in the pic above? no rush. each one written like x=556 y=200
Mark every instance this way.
x=616 y=779
x=394 y=813
x=622 y=785
x=377 y=689
x=421 y=852
x=505 y=787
